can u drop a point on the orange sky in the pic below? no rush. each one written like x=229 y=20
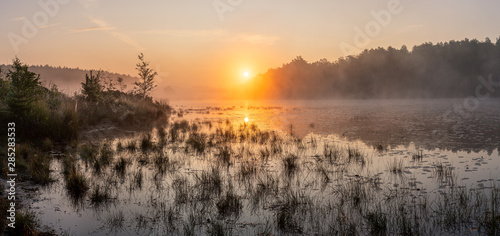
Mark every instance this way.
x=213 y=43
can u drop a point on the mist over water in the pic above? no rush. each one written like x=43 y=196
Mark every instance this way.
x=424 y=122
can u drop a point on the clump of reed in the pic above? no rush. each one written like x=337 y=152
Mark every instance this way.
x=76 y=184
x=197 y=141
x=332 y=153
x=290 y=163
x=39 y=169
x=229 y=204
x=146 y=143
x=208 y=183
x=131 y=146
x=418 y=156
x=377 y=221
x=88 y=153
x=99 y=195
x=182 y=190
x=224 y=156
x=26 y=224
x=116 y=221
x=396 y=166
x=356 y=155
x=121 y=165
x=248 y=170
x=443 y=173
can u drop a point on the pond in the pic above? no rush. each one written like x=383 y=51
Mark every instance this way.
x=286 y=167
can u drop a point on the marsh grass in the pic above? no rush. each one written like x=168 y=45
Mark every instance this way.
x=39 y=169
x=26 y=224
x=116 y=221
x=286 y=221
x=131 y=146
x=248 y=171
x=197 y=141
x=290 y=163
x=88 y=153
x=317 y=188
x=396 y=166
x=146 y=143
x=138 y=179
x=354 y=154
x=182 y=190
x=100 y=195
x=161 y=162
x=377 y=221
x=217 y=228
x=77 y=185
x=332 y=153
x=224 y=156
x=229 y=204
x=162 y=136
x=444 y=173
x=208 y=184
x=491 y=217
x=418 y=156
x=119 y=147
x=106 y=153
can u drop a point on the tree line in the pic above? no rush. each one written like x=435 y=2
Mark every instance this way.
x=442 y=70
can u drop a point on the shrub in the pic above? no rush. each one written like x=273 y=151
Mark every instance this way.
x=92 y=89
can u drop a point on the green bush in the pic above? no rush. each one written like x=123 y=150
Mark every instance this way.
x=92 y=89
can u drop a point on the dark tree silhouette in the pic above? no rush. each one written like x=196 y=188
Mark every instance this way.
x=146 y=78
x=449 y=69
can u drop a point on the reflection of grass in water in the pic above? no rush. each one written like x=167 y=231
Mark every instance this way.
x=39 y=168
x=116 y=221
x=377 y=221
x=26 y=223
x=99 y=195
x=396 y=166
x=329 y=184
x=146 y=143
x=418 y=156
x=131 y=146
x=229 y=204
x=77 y=185
x=444 y=174
x=290 y=163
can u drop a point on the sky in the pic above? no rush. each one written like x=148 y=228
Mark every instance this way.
x=213 y=43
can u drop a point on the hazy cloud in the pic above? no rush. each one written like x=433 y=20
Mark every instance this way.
x=17 y=19
x=48 y=26
x=217 y=34
x=105 y=27
x=93 y=29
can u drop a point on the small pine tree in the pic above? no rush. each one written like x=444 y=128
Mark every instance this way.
x=92 y=88
x=25 y=86
x=147 y=75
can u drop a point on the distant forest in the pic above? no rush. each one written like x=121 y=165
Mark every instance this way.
x=69 y=79
x=442 y=70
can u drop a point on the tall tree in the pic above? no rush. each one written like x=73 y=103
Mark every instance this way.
x=147 y=76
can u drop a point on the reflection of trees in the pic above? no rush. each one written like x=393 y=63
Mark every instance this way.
x=447 y=69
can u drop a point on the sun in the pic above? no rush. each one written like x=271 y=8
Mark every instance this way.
x=246 y=74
